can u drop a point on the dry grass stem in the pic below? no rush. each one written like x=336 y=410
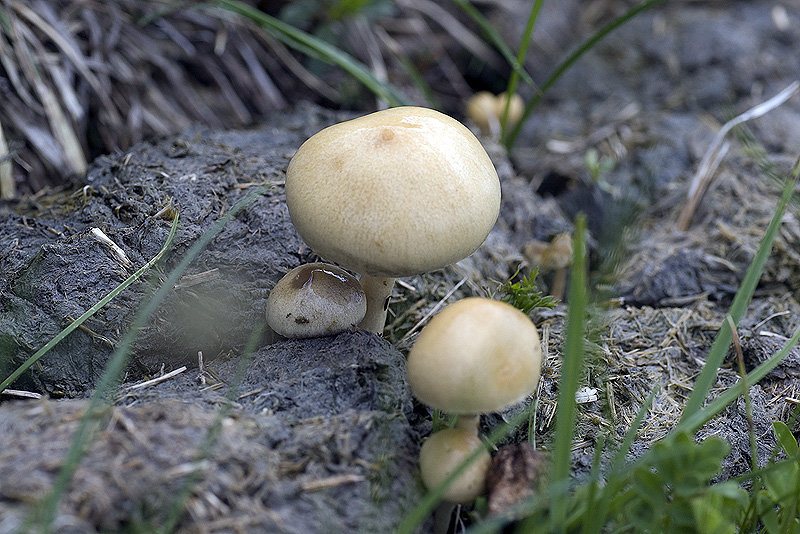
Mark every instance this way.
x=21 y=393
x=8 y=187
x=331 y=482
x=708 y=165
x=157 y=380
x=433 y=310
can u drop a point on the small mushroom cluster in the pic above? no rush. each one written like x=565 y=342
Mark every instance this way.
x=396 y=193
x=476 y=356
x=486 y=111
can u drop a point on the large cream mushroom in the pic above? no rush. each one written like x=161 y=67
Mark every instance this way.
x=395 y=193
x=476 y=356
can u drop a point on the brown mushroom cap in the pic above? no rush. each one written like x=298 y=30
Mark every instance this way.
x=394 y=193
x=556 y=254
x=443 y=452
x=476 y=356
x=315 y=299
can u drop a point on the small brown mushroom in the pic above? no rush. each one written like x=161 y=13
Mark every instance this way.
x=553 y=256
x=315 y=299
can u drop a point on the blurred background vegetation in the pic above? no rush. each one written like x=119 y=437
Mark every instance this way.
x=84 y=78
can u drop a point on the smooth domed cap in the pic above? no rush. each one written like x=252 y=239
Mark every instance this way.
x=443 y=452
x=486 y=111
x=480 y=110
x=395 y=193
x=315 y=299
x=476 y=356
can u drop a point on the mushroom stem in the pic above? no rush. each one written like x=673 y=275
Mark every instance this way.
x=378 y=291
x=559 y=285
x=469 y=423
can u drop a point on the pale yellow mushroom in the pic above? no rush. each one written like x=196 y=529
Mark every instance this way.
x=395 y=193
x=486 y=111
x=443 y=453
x=476 y=356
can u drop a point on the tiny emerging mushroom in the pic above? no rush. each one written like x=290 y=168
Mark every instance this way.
x=395 y=193
x=553 y=256
x=443 y=452
x=315 y=299
x=476 y=356
x=486 y=111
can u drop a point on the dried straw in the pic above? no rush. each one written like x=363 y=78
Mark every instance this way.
x=85 y=78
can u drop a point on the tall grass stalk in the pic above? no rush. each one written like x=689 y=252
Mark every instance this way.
x=517 y=63
x=571 y=366
x=692 y=422
x=91 y=311
x=522 y=52
x=510 y=139
x=722 y=341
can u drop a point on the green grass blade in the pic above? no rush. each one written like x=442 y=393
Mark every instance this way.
x=785 y=438
x=693 y=421
x=310 y=45
x=44 y=513
x=572 y=58
x=572 y=363
x=630 y=435
x=719 y=347
x=521 y=53
x=91 y=311
x=616 y=478
x=517 y=66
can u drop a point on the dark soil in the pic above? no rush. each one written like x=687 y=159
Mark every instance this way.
x=322 y=435
x=314 y=439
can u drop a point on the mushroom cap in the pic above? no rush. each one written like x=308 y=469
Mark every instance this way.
x=476 y=356
x=515 y=109
x=480 y=110
x=442 y=453
x=486 y=110
x=315 y=299
x=394 y=193
x=556 y=254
